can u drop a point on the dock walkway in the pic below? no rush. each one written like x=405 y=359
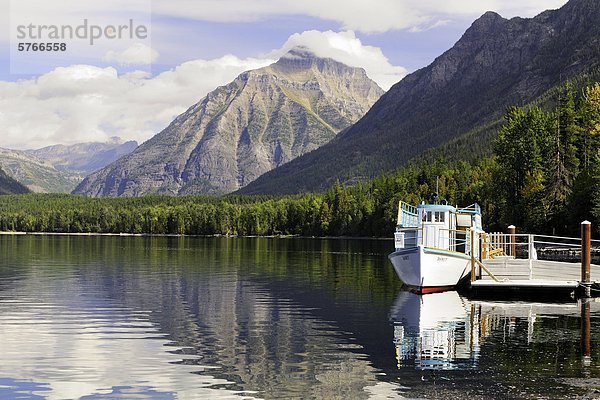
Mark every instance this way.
x=514 y=267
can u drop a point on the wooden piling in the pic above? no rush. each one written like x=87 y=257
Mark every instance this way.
x=586 y=335
x=586 y=236
x=513 y=245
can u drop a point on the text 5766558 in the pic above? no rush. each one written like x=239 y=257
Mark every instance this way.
x=26 y=46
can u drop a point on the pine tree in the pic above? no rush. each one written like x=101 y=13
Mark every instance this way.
x=521 y=149
x=563 y=160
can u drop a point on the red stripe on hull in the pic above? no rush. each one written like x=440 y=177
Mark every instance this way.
x=430 y=289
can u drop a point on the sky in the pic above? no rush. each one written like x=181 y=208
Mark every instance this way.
x=134 y=65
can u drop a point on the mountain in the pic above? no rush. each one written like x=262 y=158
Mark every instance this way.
x=84 y=158
x=9 y=186
x=496 y=63
x=59 y=168
x=37 y=174
x=263 y=119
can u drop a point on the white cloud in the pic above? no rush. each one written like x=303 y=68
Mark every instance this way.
x=136 y=54
x=359 y=15
x=347 y=48
x=87 y=103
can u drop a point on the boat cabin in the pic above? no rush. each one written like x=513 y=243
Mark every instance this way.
x=440 y=226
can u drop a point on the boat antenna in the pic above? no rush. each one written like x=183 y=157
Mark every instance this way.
x=437 y=185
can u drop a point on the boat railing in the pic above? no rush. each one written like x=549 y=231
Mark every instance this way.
x=408 y=237
x=454 y=240
x=443 y=239
x=472 y=209
x=408 y=216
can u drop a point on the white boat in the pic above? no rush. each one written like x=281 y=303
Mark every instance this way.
x=433 y=245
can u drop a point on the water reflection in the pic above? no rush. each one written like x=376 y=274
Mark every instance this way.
x=448 y=346
x=446 y=331
x=189 y=318
x=89 y=317
x=61 y=341
x=586 y=332
x=433 y=331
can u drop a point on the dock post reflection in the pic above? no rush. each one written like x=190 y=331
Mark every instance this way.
x=586 y=337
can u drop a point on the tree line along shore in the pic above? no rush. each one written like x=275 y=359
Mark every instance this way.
x=543 y=176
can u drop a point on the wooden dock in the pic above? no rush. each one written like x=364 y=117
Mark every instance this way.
x=513 y=269
x=538 y=289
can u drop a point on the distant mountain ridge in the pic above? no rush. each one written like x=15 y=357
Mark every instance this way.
x=263 y=119
x=497 y=62
x=38 y=175
x=85 y=158
x=59 y=168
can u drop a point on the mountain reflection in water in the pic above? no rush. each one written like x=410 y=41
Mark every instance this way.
x=152 y=317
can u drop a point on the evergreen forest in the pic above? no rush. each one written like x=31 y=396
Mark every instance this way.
x=543 y=176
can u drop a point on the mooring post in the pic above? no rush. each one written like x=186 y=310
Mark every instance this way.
x=586 y=336
x=513 y=245
x=586 y=238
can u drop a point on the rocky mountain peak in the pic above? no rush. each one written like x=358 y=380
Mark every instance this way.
x=485 y=25
x=298 y=52
x=488 y=17
x=582 y=5
x=264 y=118
x=301 y=58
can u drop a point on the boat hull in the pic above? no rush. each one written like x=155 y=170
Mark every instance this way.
x=428 y=270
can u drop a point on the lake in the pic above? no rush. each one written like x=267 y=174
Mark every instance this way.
x=182 y=317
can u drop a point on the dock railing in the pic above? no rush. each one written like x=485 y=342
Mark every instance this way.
x=497 y=244
x=512 y=256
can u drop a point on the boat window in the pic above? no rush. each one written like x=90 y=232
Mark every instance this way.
x=439 y=216
x=428 y=216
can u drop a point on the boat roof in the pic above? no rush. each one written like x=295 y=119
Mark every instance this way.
x=437 y=207
x=472 y=209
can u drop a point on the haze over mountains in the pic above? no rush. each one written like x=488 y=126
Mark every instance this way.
x=261 y=120
x=58 y=169
x=497 y=63
x=85 y=158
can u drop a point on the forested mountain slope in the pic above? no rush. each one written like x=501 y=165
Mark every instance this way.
x=497 y=63
x=9 y=186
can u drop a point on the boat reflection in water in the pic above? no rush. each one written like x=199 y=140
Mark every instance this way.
x=444 y=331
x=434 y=331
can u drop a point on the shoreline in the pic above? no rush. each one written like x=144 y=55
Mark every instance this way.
x=9 y=233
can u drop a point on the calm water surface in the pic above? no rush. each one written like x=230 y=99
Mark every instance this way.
x=165 y=318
